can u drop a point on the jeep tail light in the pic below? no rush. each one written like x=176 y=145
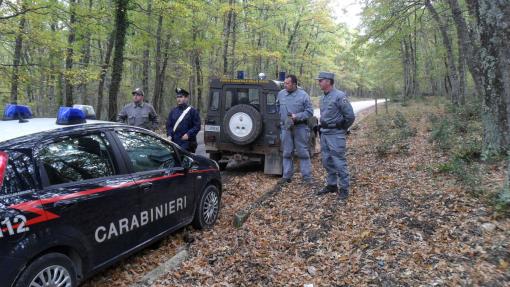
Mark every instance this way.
x=4 y=157
x=210 y=138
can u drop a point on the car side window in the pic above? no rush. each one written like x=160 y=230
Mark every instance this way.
x=19 y=172
x=254 y=97
x=215 y=100
x=228 y=100
x=147 y=152
x=271 y=103
x=77 y=158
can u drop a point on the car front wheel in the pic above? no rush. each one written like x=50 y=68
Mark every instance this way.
x=208 y=208
x=52 y=269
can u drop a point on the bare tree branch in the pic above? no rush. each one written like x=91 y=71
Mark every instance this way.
x=25 y=11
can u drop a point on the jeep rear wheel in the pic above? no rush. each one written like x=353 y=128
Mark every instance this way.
x=243 y=124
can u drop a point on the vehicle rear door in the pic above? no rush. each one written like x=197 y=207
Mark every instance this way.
x=89 y=194
x=234 y=95
x=166 y=190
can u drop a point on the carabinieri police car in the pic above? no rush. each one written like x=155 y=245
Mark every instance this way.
x=78 y=195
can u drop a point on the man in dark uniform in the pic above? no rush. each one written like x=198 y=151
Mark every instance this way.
x=336 y=117
x=183 y=122
x=138 y=113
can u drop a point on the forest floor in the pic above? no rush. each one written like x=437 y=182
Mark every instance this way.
x=406 y=223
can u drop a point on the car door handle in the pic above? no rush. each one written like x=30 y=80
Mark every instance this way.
x=146 y=186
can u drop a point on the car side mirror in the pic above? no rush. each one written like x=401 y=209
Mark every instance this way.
x=189 y=163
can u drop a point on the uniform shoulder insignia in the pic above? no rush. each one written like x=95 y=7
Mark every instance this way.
x=344 y=100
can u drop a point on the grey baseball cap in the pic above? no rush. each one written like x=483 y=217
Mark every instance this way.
x=326 y=75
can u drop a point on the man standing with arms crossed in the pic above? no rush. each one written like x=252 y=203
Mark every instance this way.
x=336 y=117
x=295 y=109
x=139 y=113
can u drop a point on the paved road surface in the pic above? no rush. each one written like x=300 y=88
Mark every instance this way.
x=357 y=107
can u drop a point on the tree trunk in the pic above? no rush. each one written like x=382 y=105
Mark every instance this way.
x=429 y=67
x=121 y=24
x=226 y=36
x=462 y=75
x=294 y=31
x=146 y=52
x=16 y=61
x=199 y=81
x=495 y=58
x=197 y=68
x=468 y=45
x=51 y=78
x=157 y=62
x=449 y=53
x=69 y=55
x=407 y=90
x=234 y=42
x=86 y=61
x=414 y=49
x=166 y=56
x=102 y=76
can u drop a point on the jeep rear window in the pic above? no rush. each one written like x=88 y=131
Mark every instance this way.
x=18 y=172
x=240 y=96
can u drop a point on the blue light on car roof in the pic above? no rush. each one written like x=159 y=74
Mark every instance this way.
x=16 y=112
x=70 y=116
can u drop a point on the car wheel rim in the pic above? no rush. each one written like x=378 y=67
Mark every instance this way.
x=240 y=124
x=210 y=209
x=53 y=276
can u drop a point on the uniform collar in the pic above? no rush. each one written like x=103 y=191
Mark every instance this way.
x=291 y=93
x=183 y=106
x=330 y=92
x=138 y=105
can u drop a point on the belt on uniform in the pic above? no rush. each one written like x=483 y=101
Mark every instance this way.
x=296 y=123
x=332 y=128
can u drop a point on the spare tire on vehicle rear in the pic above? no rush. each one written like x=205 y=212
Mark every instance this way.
x=243 y=124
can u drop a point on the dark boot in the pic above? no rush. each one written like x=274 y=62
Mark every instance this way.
x=284 y=181
x=343 y=194
x=328 y=189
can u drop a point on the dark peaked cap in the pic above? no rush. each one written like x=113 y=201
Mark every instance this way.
x=182 y=92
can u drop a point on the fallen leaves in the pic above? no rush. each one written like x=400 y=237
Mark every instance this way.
x=402 y=225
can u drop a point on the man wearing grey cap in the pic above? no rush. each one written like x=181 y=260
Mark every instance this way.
x=295 y=109
x=336 y=117
x=138 y=113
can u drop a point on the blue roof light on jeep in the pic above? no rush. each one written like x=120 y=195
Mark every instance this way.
x=70 y=116
x=281 y=76
x=16 y=112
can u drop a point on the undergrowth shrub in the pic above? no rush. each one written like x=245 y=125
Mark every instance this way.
x=392 y=134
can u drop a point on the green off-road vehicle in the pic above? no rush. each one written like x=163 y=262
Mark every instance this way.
x=243 y=123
